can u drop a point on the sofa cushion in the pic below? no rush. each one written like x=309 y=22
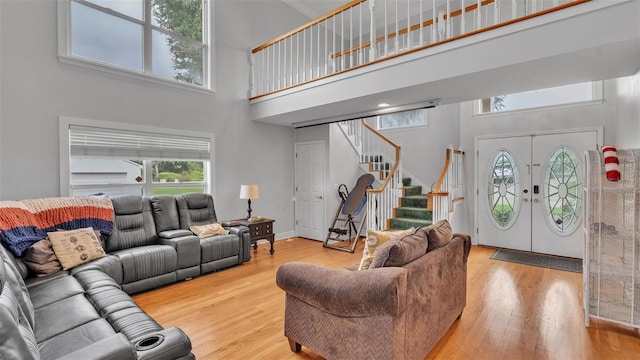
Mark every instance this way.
x=61 y=316
x=195 y=209
x=218 y=247
x=41 y=259
x=401 y=250
x=75 y=247
x=374 y=240
x=132 y=224
x=74 y=339
x=439 y=234
x=56 y=289
x=165 y=212
x=207 y=230
x=144 y=262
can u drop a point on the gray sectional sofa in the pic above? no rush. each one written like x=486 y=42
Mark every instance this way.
x=87 y=312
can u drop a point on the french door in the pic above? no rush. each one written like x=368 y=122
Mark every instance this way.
x=529 y=192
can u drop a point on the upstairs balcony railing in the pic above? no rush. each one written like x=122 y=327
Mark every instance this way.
x=364 y=32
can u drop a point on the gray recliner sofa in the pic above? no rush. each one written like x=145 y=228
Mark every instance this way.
x=87 y=312
x=80 y=316
x=151 y=244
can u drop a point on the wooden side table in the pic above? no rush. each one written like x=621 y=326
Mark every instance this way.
x=258 y=230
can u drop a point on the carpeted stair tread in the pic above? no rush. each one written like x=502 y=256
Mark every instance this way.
x=418 y=213
x=412 y=190
x=419 y=201
x=405 y=223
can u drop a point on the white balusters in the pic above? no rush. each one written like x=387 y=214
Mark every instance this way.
x=288 y=62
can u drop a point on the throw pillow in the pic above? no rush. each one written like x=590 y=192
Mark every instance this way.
x=401 y=250
x=374 y=240
x=75 y=247
x=41 y=259
x=207 y=230
x=439 y=234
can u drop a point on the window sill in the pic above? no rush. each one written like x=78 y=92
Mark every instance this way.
x=110 y=69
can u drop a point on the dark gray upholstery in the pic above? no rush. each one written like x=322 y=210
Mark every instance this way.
x=218 y=251
x=133 y=224
x=81 y=316
x=144 y=262
x=87 y=312
x=195 y=209
x=165 y=213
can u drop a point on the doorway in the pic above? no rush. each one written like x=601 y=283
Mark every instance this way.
x=529 y=191
x=309 y=190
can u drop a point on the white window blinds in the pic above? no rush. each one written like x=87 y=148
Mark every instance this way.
x=86 y=141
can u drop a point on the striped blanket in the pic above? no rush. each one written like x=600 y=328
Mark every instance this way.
x=25 y=222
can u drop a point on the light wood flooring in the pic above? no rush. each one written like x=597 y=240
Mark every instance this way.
x=513 y=311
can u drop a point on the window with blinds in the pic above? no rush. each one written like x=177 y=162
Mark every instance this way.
x=126 y=162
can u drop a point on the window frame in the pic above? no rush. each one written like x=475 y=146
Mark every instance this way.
x=65 y=55
x=66 y=188
x=378 y=121
x=597 y=97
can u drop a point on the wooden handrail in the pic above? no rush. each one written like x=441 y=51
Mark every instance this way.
x=311 y=23
x=397 y=160
x=427 y=46
x=415 y=27
x=443 y=173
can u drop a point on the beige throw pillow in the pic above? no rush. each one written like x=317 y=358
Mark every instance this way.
x=374 y=240
x=207 y=230
x=75 y=247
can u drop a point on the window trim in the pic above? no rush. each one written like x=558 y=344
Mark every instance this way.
x=65 y=56
x=65 y=151
x=597 y=91
x=425 y=118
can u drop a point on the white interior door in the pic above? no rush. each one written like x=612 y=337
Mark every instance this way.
x=529 y=192
x=309 y=190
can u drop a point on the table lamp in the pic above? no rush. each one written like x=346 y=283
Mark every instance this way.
x=249 y=192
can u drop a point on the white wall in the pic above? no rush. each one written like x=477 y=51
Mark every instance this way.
x=36 y=89
x=618 y=114
x=423 y=147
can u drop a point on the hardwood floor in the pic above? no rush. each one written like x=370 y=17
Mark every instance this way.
x=513 y=311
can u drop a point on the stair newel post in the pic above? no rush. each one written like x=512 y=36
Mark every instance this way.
x=372 y=30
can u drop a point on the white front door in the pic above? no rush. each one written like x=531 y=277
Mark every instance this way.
x=530 y=192
x=309 y=190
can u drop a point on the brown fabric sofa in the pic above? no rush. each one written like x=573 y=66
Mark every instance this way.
x=388 y=312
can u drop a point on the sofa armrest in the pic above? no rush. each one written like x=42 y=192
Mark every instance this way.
x=170 y=234
x=245 y=241
x=170 y=343
x=343 y=292
x=467 y=244
x=187 y=248
x=115 y=347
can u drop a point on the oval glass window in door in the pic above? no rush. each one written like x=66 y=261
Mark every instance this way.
x=563 y=190
x=504 y=185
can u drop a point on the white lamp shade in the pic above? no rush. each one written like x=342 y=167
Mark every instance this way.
x=249 y=192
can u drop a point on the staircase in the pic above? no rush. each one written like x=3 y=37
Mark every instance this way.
x=413 y=208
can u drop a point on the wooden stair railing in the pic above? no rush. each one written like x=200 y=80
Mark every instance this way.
x=449 y=188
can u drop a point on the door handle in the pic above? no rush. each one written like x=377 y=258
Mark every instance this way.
x=525 y=200
x=319 y=197
x=536 y=200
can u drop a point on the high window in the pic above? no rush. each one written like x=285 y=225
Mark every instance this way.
x=160 y=39
x=401 y=119
x=556 y=96
x=117 y=161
